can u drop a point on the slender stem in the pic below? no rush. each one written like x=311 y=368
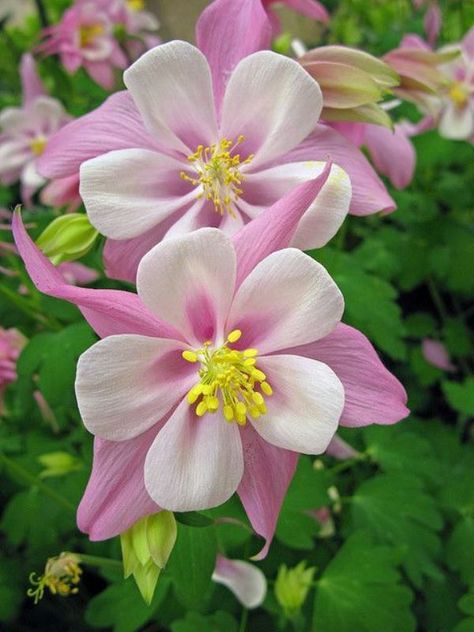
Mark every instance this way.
x=33 y=481
x=95 y=560
x=20 y=302
x=437 y=300
x=347 y=464
x=243 y=620
x=43 y=17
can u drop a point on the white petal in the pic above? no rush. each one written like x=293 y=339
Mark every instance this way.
x=171 y=86
x=306 y=405
x=288 y=299
x=126 y=383
x=30 y=176
x=129 y=191
x=457 y=123
x=195 y=462
x=189 y=282
x=273 y=102
x=245 y=580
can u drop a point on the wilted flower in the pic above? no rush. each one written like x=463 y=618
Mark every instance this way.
x=292 y=586
x=245 y=580
x=61 y=576
x=25 y=131
x=11 y=344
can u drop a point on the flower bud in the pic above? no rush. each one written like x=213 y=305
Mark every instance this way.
x=146 y=547
x=292 y=586
x=58 y=464
x=67 y=238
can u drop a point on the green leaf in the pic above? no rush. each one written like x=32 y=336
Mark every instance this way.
x=192 y=563
x=460 y=396
x=193 y=519
x=466 y=605
x=217 y=622
x=460 y=549
x=360 y=590
x=397 y=511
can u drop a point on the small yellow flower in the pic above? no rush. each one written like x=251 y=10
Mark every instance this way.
x=61 y=576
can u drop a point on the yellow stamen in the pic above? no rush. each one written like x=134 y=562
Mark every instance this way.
x=38 y=144
x=88 y=33
x=61 y=576
x=136 y=5
x=228 y=377
x=218 y=172
x=459 y=94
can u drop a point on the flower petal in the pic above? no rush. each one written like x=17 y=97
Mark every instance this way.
x=190 y=281
x=126 y=383
x=273 y=102
x=268 y=473
x=127 y=192
x=30 y=80
x=245 y=580
x=171 y=86
x=264 y=307
x=115 y=496
x=373 y=394
x=306 y=405
x=392 y=153
x=194 y=463
x=457 y=123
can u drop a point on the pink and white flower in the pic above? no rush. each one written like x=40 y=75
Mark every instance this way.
x=226 y=305
x=25 y=131
x=245 y=580
x=85 y=37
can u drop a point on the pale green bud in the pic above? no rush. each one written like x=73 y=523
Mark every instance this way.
x=58 y=464
x=292 y=586
x=67 y=238
x=146 y=548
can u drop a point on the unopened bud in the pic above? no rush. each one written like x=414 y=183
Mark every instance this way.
x=67 y=238
x=58 y=464
x=292 y=586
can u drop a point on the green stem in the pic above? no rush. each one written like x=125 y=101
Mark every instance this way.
x=43 y=18
x=347 y=464
x=438 y=300
x=243 y=620
x=32 y=481
x=21 y=303
x=95 y=560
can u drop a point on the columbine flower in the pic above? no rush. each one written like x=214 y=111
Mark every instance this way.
x=147 y=398
x=25 y=131
x=245 y=580
x=11 y=344
x=139 y=26
x=85 y=37
x=209 y=141
x=61 y=576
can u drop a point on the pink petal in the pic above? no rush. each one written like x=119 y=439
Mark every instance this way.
x=76 y=273
x=392 y=153
x=436 y=354
x=373 y=395
x=195 y=462
x=62 y=192
x=30 y=80
x=340 y=449
x=102 y=72
x=115 y=496
x=310 y=8
x=114 y=125
x=126 y=383
x=171 y=86
x=282 y=106
x=307 y=402
x=264 y=305
x=189 y=281
x=274 y=228
x=268 y=472
x=226 y=32
x=432 y=23
x=245 y=580
x=107 y=311
x=369 y=194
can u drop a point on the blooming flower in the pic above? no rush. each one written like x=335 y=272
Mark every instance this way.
x=85 y=37
x=26 y=130
x=208 y=141
x=139 y=26
x=245 y=580
x=211 y=377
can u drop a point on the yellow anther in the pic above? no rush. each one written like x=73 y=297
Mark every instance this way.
x=459 y=94
x=250 y=362
x=266 y=388
x=258 y=398
x=136 y=5
x=259 y=375
x=190 y=356
x=38 y=145
x=250 y=353
x=201 y=408
x=88 y=33
x=212 y=403
x=228 y=412
x=61 y=576
x=254 y=412
x=234 y=335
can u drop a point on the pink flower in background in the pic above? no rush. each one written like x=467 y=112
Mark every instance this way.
x=318 y=372
x=85 y=37
x=245 y=580
x=436 y=354
x=310 y=8
x=25 y=131
x=139 y=26
x=432 y=20
x=11 y=344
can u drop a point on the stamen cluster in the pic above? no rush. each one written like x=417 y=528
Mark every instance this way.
x=219 y=173
x=61 y=576
x=231 y=378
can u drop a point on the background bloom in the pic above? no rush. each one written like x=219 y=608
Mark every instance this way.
x=11 y=343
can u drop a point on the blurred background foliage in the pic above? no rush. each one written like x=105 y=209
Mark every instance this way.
x=394 y=550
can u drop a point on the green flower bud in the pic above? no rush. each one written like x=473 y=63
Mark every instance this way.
x=58 y=464
x=146 y=548
x=292 y=586
x=67 y=238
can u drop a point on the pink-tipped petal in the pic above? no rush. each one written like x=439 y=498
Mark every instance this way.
x=306 y=405
x=189 y=281
x=115 y=496
x=245 y=580
x=226 y=32
x=282 y=105
x=126 y=383
x=30 y=81
x=107 y=311
x=340 y=449
x=116 y=124
x=195 y=462
x=373 y=395
x=392 y=153
x=264 y=307
x=268 y=473
x=171 y=86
